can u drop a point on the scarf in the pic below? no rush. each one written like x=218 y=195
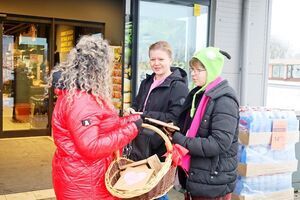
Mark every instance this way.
x=191 y=133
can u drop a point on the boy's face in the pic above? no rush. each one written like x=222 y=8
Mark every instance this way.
x=199 y=74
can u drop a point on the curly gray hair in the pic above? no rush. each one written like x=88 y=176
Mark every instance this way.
x=88 y=69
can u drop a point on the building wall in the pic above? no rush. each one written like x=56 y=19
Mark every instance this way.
x=228 y=35
x=258 y=51
x=109 y=12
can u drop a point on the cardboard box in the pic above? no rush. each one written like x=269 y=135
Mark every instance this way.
x=152 y=162
x=22 y=112
x=264 y=138
x=249 y=170
x=134 y=178
x=279 y=195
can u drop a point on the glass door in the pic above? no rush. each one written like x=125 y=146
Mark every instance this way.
x=30 y=47
x=25 y=66
x=182 y=24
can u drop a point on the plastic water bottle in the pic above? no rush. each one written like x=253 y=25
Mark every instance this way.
x=267 y=115
x=256 y=184
x=293 y=123
x=240 y=153
x=239 y=186
x=280 y=184
x=274 y=179
x=258 y=122
x=246 y=120
x=248 y=185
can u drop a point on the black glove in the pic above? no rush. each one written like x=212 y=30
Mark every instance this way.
x=138 y=123
x=143 y=116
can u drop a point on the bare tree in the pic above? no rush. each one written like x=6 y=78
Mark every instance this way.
x=278 y=48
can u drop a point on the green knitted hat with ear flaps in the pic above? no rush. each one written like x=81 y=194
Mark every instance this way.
x=213 y=62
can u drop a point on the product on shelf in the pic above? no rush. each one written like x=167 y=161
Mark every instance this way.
x=117 y=77
x=127 y=65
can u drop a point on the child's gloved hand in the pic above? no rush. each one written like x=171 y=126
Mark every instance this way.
x=138 y=123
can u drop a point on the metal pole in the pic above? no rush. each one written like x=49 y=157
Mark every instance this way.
x=244 y=61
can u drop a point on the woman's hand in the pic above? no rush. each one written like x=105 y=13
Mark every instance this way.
x=128 y=111
x=169 y=131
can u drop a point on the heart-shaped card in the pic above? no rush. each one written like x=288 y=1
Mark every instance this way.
x=134 y=178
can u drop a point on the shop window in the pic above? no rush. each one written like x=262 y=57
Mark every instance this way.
x=296 y=71
x=279 y=71
x=67 y=36
x=25 y=69
x=26 y=53
x=289 y=71
x=183 y=28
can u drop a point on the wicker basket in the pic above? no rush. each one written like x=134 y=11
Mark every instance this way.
x=157 y=186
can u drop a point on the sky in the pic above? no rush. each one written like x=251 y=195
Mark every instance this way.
x=285 y=23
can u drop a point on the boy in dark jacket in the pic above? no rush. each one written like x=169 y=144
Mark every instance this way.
x=209 y=130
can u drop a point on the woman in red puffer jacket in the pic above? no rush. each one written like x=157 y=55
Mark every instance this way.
x=86 y=128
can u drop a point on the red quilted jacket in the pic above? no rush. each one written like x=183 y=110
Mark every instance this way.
x=86 y=136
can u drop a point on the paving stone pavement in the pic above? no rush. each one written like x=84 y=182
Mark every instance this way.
x=297 y=195
x=173 y=195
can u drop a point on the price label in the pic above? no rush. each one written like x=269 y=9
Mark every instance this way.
x=278 y=140
x=279 y=134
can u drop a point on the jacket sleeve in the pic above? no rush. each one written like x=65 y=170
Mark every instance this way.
x=137 y=101
x=98 y=134
x=178 y=93
x=224 y=123
x=130 y=118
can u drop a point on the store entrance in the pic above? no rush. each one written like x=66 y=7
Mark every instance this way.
x=30 y=48
x=25 y=65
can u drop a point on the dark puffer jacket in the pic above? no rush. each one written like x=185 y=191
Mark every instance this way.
x=214 y=149
x=164 y=103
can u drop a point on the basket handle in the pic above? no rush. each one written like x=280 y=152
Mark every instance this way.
x=157 y=131
x=117 y=154
x=161 y=134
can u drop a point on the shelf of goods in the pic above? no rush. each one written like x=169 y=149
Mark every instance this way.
x=117 y=77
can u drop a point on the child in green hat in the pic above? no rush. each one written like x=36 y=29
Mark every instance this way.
x=209 y=130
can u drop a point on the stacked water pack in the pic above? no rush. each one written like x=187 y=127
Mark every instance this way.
x=259 y=119
x=265 y=169
x=260 y=185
